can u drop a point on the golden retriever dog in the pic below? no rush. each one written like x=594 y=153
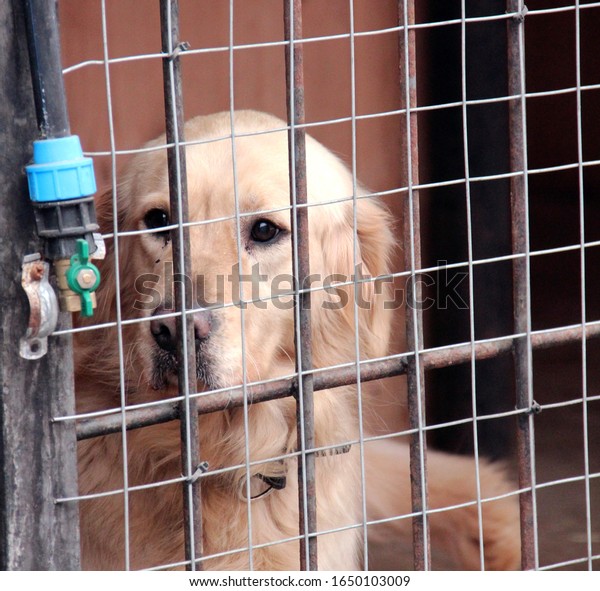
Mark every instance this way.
x=153 y=511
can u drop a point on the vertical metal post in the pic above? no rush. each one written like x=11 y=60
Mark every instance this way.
x=38 y=461
x=414 y=316
x=521 y=298
x=184 y=298
x=299 y=215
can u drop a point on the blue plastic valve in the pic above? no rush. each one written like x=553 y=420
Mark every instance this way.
x=60 y=171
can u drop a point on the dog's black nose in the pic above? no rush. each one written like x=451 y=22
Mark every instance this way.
x=164 y=330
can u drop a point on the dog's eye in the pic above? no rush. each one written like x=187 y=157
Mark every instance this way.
x=157 y=218
x=264 y=231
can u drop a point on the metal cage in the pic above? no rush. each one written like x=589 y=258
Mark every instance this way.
x=451 y=174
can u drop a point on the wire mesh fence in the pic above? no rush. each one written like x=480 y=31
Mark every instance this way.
x=144 y=456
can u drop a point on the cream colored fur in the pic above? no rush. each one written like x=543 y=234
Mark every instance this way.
x=153 y=453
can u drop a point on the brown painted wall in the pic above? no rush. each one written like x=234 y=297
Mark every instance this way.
x=259 y=83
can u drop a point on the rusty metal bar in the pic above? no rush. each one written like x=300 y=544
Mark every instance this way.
x=521 y=296
x=326 y=380
x=303 y=338
x=414 y=315
x=186 y=346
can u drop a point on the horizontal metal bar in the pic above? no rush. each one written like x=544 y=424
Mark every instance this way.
x=335 y=378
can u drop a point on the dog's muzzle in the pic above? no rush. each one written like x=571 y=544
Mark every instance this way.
x=164 y=329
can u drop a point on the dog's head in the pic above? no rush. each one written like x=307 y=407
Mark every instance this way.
x=246 y=257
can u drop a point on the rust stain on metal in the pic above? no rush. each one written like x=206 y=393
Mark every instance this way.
x=30 y=282
x=37 y=271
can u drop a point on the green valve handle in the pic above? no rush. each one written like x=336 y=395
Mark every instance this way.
x=83 y=277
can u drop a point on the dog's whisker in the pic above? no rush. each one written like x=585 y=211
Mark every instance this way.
x=250 y=358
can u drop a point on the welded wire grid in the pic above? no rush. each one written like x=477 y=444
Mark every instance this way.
x=418 y=358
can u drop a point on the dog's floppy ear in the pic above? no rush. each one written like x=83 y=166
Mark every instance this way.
x=375 y=244
x=104 y=210
x=373 y=250
x=106 y=294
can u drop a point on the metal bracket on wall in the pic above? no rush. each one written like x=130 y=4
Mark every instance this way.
x=43 y=307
